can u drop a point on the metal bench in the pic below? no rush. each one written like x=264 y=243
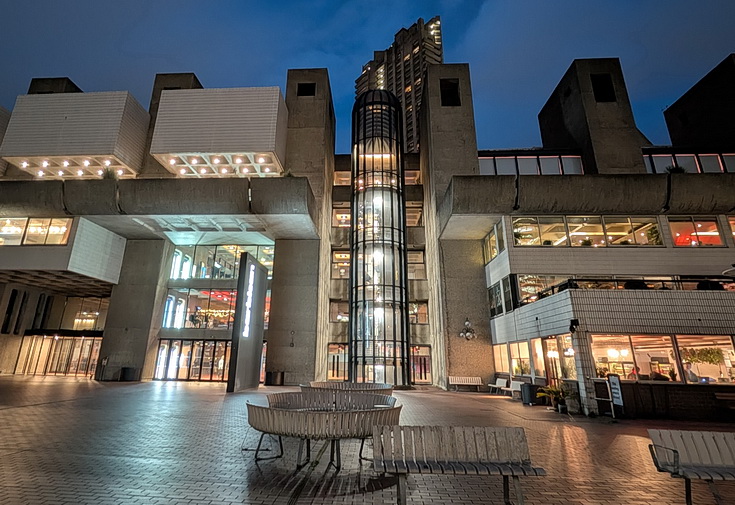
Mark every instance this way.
x=705 y=455
x=457 y=381
x=332 y=399
x=498 y=386
x=454 y=450
x=514 y=386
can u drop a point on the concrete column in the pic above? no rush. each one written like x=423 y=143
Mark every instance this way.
x=292 y=327
x=586 y=370
x=135 y=314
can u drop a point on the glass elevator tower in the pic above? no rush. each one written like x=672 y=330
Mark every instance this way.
x=379 y=331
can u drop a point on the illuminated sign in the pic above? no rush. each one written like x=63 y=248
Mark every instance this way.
x=248 y=302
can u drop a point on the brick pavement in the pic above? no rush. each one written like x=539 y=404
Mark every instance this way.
x=73 y=441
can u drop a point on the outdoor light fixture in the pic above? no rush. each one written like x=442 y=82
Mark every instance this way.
x=468 y=332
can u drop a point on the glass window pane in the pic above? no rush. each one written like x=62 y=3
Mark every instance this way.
x=506 y=166
x=221 y=309
x=539 y=367
x=708 y=233
x=500 y=353
x=525 y=231
x=527 y=166
x=203 y=265
x=647 y=162
x=341 y=217
x=418 y=313
x=549 y=165
x=337 y=362
x=58 y=232
x=710 y=163
x=566 y=357
x=37 y=231
x=487 y=167
x=507 y=295
x=646 y=230
x=265 y=257
x=731 y=220
x=490 y=246
x=586 y=231
x=619 y=230
x=531 y=284
x=661 y=162
x=687 y=162
x=496 y=300
x=181 y=266
x=339 y=312
x=572 y=165
x=613 y=354
x=340 y=265
x=197 y=309
x=11 y=231
x=654 y=356
x=729 y=162
x=553 y=231
x=519 y=358
x=499 y=233
x=416 y=265
x=707 y=359
x=682 y=231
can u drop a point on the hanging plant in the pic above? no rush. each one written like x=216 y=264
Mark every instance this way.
x=707 y=355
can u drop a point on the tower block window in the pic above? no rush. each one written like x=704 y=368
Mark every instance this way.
x=449 y=89
x=306 y=89
x=602 y=87
x=379 y=319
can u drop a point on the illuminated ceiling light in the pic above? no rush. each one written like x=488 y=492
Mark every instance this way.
x=108 y=163
x=203 y=171
x=215 y=161
x=24 y=164
x=66 y=163
x=245 y=170
x=224 y=170
x=194 y=161
x=99 y=172
x=267 y=169
x=182 y=171
x=261 y=159
x=80 y=173
x=61 y=173
x=238 y=160
x=40 y=173
x=172 y=161
x=86 y=163
x=120 y=172
x=44 y=164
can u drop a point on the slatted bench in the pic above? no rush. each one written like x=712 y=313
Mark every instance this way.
x=498 y=386
x=514 y=386
x=457 y=381
x=333 y=399
x=383 y=389
x=705 y=455
x=453 y=450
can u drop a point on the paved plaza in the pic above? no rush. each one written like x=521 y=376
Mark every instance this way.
x=68 y=441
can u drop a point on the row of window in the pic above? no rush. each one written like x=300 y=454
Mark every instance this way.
x=711 y=163
x=203 y=308
x=35 y=231
x=418 y=312
x=216 y=262
x=531 y=165
x=419 y=361
x=342 y=218
x=341 y=265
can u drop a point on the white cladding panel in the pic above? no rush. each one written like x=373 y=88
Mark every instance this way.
x=231 y=120
x=77 y=124
x=97 y=252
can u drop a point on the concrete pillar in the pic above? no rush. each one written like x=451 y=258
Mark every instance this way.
x=292 y=327
x=586 y=370
x=135 y=314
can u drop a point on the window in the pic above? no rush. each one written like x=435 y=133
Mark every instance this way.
x=707 y=359
x=654 y=357
x=337 y=362
x=602 y=87
x=9 y=311
x=566 y=357
x=21 y=313
x=500 y=353
x=710 y=163
x=340 y=264
x=525 y=231
x=11 y=231
x=539 y=367
x=586 y=231
x=613 y=354
x=306 y=89
x=341 y=217
x=36 y=231
x=416 y=265
x=622 y=230
x=505 y=166
x=552 y=230
x=339 y=312
x=199 y=308
x=731 y=220
x=494 y=243
x=519 y=358
x=449 y=91
x=527 y=165
x=418 y=313
x=421 y=364
x=549 y=165
x=507 y=294
x=530 y=285
x=695 y=231
x=496 y=300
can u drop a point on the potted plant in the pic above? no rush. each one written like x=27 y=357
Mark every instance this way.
x=555 y=394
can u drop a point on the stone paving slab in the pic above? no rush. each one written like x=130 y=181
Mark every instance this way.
x=82 y=442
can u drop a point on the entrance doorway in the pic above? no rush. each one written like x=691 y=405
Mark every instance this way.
x=65 y=355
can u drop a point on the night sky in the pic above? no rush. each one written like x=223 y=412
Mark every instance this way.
x=517 y=49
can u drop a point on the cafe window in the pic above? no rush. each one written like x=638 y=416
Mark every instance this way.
x=494 y=242
x=418 y=312
x=552 y=230
x=566 y=357
x=586 y=231
x=654 y=356
x=35 y=231
x=530 y=284
x=612 y=354
x=496 y=300
x=339 y=312
x=215 y=262
x=525 y=231
x=519 y=358
x=627 y=231
x=11 y=231
x=416 y=265
x=500 y=353
x=199 y=308
x=731 y=220
x=537 y=349
x=340 y=265
x=707 y=359
x=690 y=231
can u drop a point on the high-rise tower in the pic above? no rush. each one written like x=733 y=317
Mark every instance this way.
x=400 y=69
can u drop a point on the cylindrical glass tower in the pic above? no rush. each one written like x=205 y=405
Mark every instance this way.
x=379 y=331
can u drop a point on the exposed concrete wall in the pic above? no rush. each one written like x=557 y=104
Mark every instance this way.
x=135 y=314
x=292 y=328
x=605 y=131
x=705 y=115
x=310 y=153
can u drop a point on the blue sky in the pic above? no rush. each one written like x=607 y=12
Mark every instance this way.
x=517 y=49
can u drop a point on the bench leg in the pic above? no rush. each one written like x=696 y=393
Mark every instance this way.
x=334 y=449
x=506 y=491
x=362 y=445
x=300 y=463
x=519 y=491
x=260 y=443
x=402 y=485
x=688 y=490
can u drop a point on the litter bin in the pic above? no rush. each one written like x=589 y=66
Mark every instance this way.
x=274 y=378
x=528 y=393
x=128 y=374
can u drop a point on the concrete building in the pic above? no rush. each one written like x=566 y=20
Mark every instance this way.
x=400 y=70
x=122 y=231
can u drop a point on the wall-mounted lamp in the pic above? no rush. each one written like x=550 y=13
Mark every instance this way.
x=468 y=332
x=573 y=325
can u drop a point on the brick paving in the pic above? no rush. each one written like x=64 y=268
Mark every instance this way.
x=74 y=441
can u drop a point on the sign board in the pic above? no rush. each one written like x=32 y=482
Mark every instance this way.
x=616 y=393
x=247 y=329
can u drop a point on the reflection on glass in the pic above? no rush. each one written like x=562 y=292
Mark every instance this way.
x=11 y=230
x=695 y=232
x=500 y=353
x=707 y=359
x=586 y=231
x=525 y=231
x=421 y=364
x=519 y=358
x=539 y=367
x=337 y=362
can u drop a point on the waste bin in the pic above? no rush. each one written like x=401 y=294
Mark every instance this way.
x=128 y=374
x=528 y=393
x=274 y=378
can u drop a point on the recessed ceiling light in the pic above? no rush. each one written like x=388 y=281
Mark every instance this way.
x=172 y=161
x=182 y=171
x=40 y=173
x=61 y=173
x=120 y=172
x=24 y=164
x=86 y=163
x=224 y=170
x=245 y=170
x=203 y=171
x=267 y=169
x=215 y=161
x=238 y=160
x=261 y=159
x=66 y=163
x=108 y=163
x=80 y=173
x=44 y=164
x=99 y=172
x=194 y=161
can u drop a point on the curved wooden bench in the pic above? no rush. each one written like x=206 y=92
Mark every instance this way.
x=310 y=425
x=350 y=386
x=332 y=399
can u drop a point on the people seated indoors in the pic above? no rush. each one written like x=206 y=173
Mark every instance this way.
x=634 y=374
x=689 y=374
x=656 y=376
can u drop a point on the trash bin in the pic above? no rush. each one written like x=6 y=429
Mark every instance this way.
x=128 y=374
x=274 y=378
x=528 y=393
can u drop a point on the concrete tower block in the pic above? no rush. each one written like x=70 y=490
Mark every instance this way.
x=705 y=115
x=590 y=110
